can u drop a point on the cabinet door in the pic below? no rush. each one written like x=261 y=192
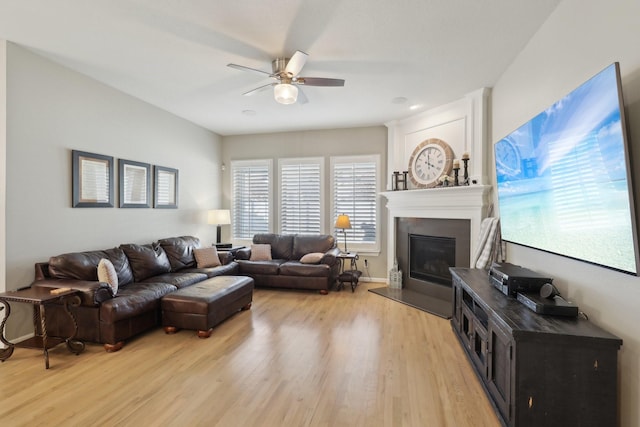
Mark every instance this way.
x=479 y=348
x=466 y=327
x=499 y=358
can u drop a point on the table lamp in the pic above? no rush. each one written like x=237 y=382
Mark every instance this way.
x=219 y=217
x=343 y=222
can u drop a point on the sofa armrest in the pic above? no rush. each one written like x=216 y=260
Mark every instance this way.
x=330 y=257
x=92 y=293
x=244 y=253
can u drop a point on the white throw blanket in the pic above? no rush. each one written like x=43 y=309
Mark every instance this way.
x=490 y=246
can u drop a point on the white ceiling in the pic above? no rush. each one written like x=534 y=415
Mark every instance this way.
x=173 y=53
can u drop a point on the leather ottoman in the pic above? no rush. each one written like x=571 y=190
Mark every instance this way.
x=205 y=304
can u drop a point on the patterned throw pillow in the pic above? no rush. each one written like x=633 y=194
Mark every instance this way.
x=260 y=252
x=107 y=274
x=207 y=257
x=312 y=258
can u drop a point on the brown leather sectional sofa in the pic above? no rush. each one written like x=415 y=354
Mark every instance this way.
x=285 y=269
x=145 y=274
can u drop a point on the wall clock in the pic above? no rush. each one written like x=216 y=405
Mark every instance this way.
x=430 y=160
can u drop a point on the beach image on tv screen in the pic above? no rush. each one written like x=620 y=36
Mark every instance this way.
x=562 y=178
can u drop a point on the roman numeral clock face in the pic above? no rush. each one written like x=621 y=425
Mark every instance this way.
x=430 y=160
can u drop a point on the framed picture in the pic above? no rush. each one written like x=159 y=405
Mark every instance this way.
x=92 y=180
x=134 y=184
x=166 y=188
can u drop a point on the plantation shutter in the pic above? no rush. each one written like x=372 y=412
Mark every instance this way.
x=355 y=194
x=301 y=196
x=251 y=198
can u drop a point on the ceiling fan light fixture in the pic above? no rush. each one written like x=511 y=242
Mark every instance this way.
x=285 y=93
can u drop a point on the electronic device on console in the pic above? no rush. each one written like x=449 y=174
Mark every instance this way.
x=511 y=279
x=548 y=301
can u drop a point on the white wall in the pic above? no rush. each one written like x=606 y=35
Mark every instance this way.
x=52 y=110
x=578 y=40
x=316 y=143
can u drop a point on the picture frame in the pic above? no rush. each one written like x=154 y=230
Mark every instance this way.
x=92 y=180
x=134 y=180
x=165 y=194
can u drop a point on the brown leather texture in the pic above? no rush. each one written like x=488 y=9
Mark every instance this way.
x=83 y=265
x=281 y=244
x=285 y=270
x=303 y=245
x=105 y=318
x=179 y=250
x=146 y=260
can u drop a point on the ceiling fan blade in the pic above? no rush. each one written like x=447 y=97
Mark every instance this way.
x=302 y=97
x=295 y=64
x=319 y=81
x=252 y=70
x=259 y=89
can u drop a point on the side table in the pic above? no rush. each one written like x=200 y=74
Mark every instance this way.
x=351 y=274
x=40 y=297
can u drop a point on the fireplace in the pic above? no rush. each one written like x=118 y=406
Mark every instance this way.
x=430 y=258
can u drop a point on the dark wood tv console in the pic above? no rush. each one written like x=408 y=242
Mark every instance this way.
x=537 y=370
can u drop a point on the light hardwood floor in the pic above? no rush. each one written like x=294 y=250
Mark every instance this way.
x=294 y=359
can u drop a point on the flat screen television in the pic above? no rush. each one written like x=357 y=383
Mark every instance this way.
x=564 y=178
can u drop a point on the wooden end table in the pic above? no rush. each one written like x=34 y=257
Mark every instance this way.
x=40 y=297
x=352 y=274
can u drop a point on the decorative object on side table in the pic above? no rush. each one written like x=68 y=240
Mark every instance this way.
x=343 y=222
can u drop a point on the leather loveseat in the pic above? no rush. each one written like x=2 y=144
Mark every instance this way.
x=145 y=274
x=287 y=265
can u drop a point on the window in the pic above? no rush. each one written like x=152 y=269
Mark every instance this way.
x=354 y=192
x=251 y=198
x=301 y=204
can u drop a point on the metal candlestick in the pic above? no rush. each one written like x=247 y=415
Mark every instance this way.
x=466 y=171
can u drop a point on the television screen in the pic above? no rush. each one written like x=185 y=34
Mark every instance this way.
x=564 y=181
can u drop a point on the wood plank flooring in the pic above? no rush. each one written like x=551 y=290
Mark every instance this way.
x=294 y=359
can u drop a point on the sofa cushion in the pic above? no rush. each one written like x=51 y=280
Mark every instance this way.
x=312 y=258
x=146 y=260
x=260 y=267
x=179 y=280
x=295 y=268
x=84 y=265
x=260 y=252
x=281 y=245
x=207 y=257
x=303 y=245
x=133 y=300
x=179 y=250
x=107 y=274
x=230 y=269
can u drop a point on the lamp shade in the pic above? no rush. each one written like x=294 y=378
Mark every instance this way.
x=285 y=93
x=219 y=217
x=343 y=221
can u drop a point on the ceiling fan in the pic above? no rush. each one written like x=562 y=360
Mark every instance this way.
x=285 y=71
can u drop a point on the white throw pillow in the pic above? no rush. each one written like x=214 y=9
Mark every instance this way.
x=260 y=252
x=312 y=258
x=207 y=257
x=107 y=274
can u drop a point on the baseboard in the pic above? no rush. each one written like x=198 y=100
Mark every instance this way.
x=374 y=279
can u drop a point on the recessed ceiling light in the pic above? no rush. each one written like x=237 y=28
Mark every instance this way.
x=399 y=100
x=414 y=106
x=249 y=112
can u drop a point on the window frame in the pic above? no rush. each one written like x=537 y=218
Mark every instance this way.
x=299 y=161
x=373 y=248
x=244 y=164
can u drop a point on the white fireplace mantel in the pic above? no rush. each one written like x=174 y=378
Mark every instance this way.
x=464 y=202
